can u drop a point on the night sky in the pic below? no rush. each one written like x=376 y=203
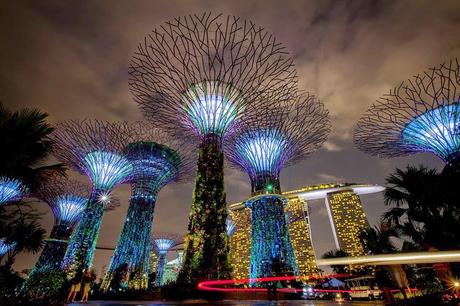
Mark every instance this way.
x=70 y=59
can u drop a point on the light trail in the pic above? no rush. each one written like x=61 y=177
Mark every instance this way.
x=394 y=259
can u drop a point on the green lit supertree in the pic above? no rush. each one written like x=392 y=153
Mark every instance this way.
x=157 y=159
x=94 y=148
x=262 y=147
x=201 y=76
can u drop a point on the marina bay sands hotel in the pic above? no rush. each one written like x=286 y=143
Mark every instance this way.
x=346 y=216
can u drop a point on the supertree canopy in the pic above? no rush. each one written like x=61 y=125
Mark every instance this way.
x=262 y=147
x=5 y=247
x=420 y=115
x=162 y=243
x=11 y=190
x=161 y=160
x=94 y=148
x=202 y=76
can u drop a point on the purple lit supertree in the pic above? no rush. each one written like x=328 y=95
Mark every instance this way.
x=157 y=159
x=11 y=190
x=422 y=114
x=201 y=76
x=162 y=244
x=94 y=148
x=262 y=147
x=67 y=200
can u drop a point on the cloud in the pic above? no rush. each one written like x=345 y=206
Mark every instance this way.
x=329 y=178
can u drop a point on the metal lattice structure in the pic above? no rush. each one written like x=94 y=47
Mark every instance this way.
x=5 y=247
x=94 y=148
x=157 y=159
x=201 y=76
x=422 y=114
x=162 y=244
x=277 y=138
x=206 y=71
x=262 y=147
x=11 y=190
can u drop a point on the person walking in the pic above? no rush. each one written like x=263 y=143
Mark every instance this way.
x=74 y=289
x=88 y=279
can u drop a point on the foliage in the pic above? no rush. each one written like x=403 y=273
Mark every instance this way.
x=339 y=269
x=20 y=224
x=46 y=284
x=206 y=244
x=425 y=207
x=26 y=135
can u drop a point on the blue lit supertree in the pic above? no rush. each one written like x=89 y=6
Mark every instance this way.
x=157 y=160
x=262 y=148
x=94 y=148
x=162 y=243
x=11 y=190
x=5 y=247
x=422 y=114
x=201 y=76
x=67 y=200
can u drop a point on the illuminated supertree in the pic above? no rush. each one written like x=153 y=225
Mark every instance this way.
x=422 y=114
x=5 y=247
x=262 y=148
x=11 y=190
x=67 y=200
x=162 y=243
x=157 y=160
x=94 y=148
x=201 y=76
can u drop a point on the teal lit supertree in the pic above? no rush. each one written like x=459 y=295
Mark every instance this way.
x=156 y=162
x=94 y=148
x=162 y=244
x=201 y=76
x=11 y=190
x=262 y=148
x=421 y=114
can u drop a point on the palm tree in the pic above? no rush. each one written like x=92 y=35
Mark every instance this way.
x=425 y=207
x=338 y=269
x=20 y=225
x=24 y=135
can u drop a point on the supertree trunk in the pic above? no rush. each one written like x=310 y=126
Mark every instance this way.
x=80 y=251
x=206 y=245
x=54 y=250
x=271 y=248
x=160 y=269
x=134 y=245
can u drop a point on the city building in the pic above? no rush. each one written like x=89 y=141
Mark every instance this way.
x=346 y=216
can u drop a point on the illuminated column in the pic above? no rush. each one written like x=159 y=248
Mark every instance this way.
x=299 y=231
x=348 y=220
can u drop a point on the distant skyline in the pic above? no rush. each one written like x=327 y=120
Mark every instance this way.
x=70 y=59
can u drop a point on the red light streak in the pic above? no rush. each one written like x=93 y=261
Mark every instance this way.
x=215 y=285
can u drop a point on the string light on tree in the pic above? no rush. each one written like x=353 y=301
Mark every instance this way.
x=201 y=76
x=157 y=160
